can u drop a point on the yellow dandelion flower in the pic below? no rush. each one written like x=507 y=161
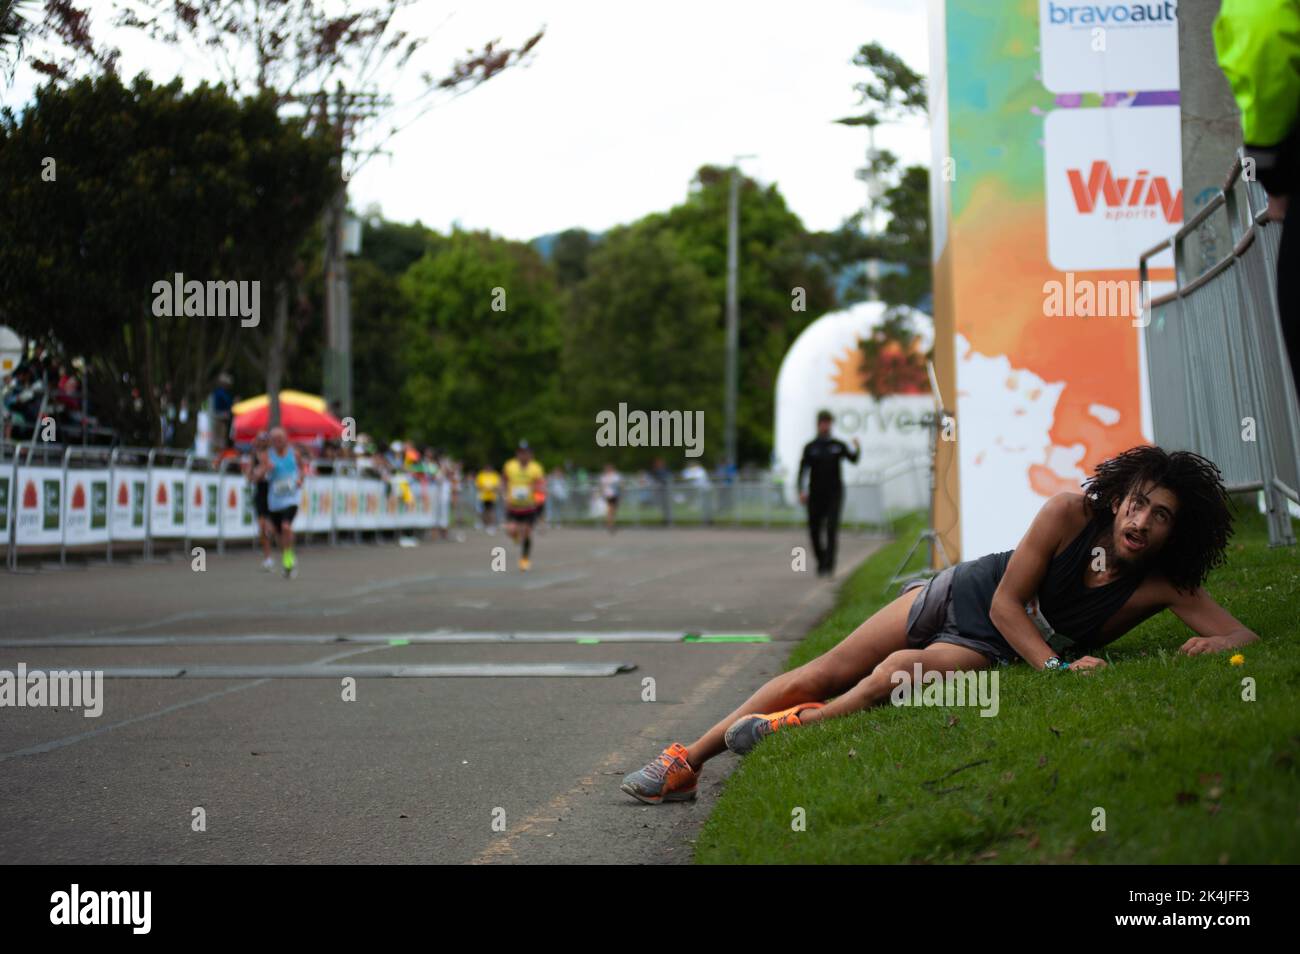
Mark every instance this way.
x=1238 y=660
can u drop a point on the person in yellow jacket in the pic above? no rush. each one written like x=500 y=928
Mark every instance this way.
x=488 y=483
x=1258 y=46
x=524 y=477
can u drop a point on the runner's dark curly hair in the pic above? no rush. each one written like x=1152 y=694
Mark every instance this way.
x=1203 y=522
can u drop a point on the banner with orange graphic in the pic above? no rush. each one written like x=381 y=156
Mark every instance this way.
x=1057 y=162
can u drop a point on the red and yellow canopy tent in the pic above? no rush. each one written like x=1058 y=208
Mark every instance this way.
x=304 y=417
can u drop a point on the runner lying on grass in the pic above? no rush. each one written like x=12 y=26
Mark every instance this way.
x=1141 y=538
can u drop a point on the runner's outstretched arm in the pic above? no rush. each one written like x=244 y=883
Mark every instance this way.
x=1216 y=629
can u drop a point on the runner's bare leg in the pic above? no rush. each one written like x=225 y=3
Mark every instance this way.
x=837 y=670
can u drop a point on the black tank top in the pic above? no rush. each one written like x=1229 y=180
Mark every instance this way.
x=1073 y=609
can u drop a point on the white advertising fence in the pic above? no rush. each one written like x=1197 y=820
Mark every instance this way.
x=57 y=498
x=60 y=497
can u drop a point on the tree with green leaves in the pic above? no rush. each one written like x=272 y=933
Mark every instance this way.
x=892 y=92
x=784 y=284
x=480 y=351
x=892 y=361
x=329 y=61
x=107 y=189
x=379 y=319
x=644 y=329
x=569 y=255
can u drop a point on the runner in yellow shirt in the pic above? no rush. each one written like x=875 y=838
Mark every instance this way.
x=488 y=482
x=524 y=477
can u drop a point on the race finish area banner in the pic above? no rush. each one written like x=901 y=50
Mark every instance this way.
x=1056 y=163
x=130 y=493
x=85 y=507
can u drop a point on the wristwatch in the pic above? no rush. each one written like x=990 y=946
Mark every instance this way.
x=1056 y=662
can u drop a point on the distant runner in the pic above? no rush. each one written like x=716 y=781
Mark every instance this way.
x=524 y=478
x=488 y=483
x=285 y=478
x=611 y=484
x=257 y=475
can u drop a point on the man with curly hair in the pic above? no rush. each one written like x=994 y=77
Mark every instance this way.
x=1141 y=538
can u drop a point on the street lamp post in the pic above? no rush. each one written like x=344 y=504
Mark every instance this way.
x=733 y=310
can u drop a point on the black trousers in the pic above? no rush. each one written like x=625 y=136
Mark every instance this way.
x=1288 y=286
x=824 y=526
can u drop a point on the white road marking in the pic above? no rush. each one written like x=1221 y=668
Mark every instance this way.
x=166 y=710
x=363 y=671
x=382 y=639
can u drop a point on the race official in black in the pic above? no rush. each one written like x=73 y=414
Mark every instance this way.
x=824 y=492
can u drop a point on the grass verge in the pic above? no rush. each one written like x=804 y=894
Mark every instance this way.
x=1157 y=759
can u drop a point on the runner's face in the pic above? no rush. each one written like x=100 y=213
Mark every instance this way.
x=1143 y=522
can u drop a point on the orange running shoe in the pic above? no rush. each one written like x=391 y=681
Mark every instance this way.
x=747 y=731
x=669 y=778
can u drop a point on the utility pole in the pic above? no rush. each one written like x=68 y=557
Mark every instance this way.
x=870 y=174
x=350 y=110
x=733 y=309
x=338 y=316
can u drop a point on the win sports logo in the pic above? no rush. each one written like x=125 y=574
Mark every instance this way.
x=1124 y=197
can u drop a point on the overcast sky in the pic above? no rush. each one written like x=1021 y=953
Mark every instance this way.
x=621 y=103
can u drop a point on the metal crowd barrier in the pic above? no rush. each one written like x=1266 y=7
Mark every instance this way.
x=871 y=502
x=55 y=497
x=1220 y=382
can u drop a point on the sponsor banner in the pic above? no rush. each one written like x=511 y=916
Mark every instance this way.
x=130 y=497
x=202 y=509
x=345 y=503
x=414 y=503
x=401 y=496
x=388 y=500
x=167 y=502
x=1060 y=164
x=1114 y=185
x=85 y=506
x=424 y=505
x=372 y=499
x=300 y=519
x=38 y=517
x=1100 y=47
x=238 y=520
x=318 y=492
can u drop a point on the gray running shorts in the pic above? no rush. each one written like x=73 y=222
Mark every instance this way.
x=931 y=620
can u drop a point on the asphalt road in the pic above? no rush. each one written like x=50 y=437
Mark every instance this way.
x=515 y=766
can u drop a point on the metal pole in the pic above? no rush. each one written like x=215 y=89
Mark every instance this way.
x=334 y=502
x=112 y=498
x=63 y=507
x=356 y=525
x=148 y=504
x=221 y=507
x=185 y=500
x=12 y=556
x=733 y=316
